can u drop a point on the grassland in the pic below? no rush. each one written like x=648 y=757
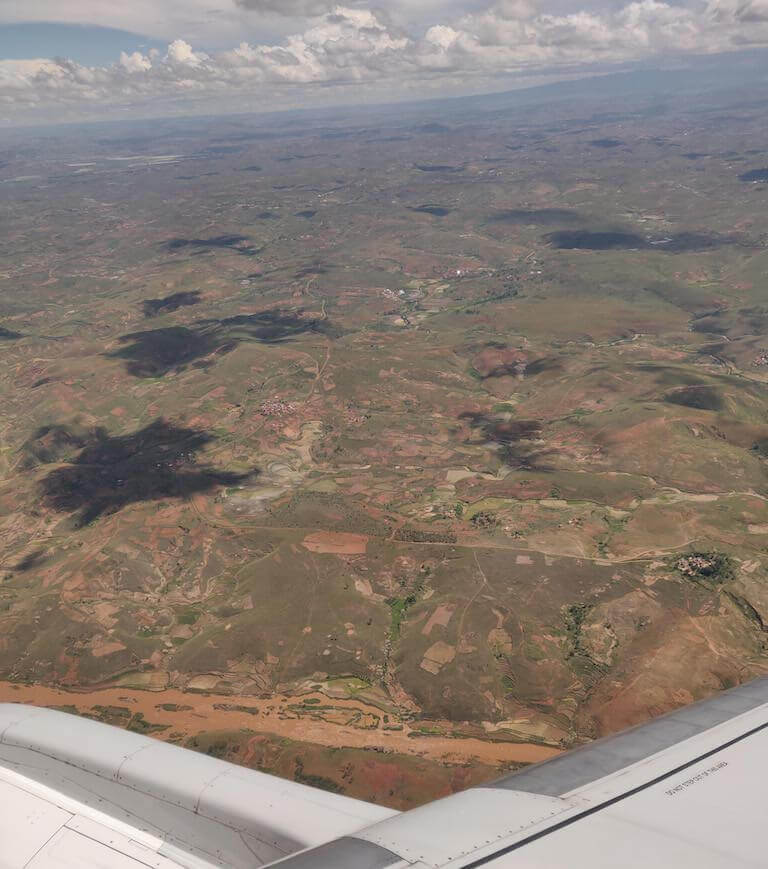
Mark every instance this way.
x=422 y=426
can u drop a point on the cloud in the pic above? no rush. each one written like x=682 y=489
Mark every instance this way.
x=741 y=11
x=351 y=46
x=289 y=8
x=135 y=62
x=180 y=53
x=156 y=18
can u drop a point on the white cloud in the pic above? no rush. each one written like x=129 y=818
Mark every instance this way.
x=741 y=11
x=135 y=62
x=289 y=8
x=217 y=23
x=347 y=46
x=180 y=53
x=213 y=21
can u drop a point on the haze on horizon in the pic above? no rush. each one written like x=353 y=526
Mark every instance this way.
x=89 y=60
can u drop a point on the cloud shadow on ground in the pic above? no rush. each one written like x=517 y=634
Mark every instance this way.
x=151 y=464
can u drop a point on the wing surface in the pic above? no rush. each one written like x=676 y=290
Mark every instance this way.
x=78 y=793
x=686 y=790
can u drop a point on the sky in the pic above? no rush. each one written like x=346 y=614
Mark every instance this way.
x=81 y=59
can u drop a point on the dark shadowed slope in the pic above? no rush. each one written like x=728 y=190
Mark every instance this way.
x=513 y=437
x=237 y=243
x=755 y=175
x=156 y=352
x=110 y=472
x=168 y=304
x=680 y=242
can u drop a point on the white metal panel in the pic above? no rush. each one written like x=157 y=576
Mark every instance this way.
x=87 y=744
x=687 y=791
x=348 y=852
x=712 y=815
x=145 y=851
x=576 y=769
x=12 y=713
x=609 y=844
x=69 y=850
x=74 y=808
x=296 y=815
x=669 y=759
x=169 y=773
x=719 y=803
x=173 y=793
x=448 y=829
x=26 y=824
x=144 y=813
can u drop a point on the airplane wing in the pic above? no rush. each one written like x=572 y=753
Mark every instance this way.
x=684 y=790
x=77 y=793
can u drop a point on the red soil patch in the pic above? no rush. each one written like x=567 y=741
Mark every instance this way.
x=336 y=543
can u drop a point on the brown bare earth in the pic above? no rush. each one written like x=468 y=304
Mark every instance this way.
x=359 y=472
x=337 y=543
